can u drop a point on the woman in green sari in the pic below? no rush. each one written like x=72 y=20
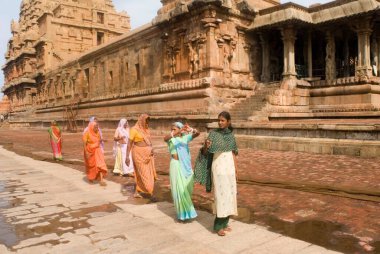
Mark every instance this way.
x=181 y=172
x=215 y=167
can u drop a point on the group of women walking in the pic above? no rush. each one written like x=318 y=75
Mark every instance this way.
x=215 y=166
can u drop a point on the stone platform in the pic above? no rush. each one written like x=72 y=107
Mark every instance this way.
x=328 y=200
x=354 y=137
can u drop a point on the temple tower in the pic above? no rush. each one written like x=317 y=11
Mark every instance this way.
x=50 y=33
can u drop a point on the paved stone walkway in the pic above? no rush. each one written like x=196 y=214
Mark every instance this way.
x=328 y=200
x=49 y=208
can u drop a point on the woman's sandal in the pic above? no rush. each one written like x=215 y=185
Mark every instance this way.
x=221 y=232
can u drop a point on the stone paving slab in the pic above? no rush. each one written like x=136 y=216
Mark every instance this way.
x=111 y=222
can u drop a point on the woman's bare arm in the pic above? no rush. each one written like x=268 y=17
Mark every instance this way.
x=129 y=147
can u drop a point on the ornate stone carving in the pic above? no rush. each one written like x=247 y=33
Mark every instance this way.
x=363 y=29
x=193 y=57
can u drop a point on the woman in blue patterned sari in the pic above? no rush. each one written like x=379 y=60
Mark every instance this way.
x=181 y=172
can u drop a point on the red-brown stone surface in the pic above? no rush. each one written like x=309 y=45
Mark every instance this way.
x=329 y=200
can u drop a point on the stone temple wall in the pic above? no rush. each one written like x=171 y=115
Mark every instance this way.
x=191 y=66
x=193 y=60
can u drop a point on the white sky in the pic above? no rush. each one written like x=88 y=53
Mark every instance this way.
x=140 y=11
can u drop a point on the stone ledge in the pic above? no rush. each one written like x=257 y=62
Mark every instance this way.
x=359 y=148
x=305 y=126
x=331 y=114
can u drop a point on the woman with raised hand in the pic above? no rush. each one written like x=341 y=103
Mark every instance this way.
x=215 y=167
x=121 y=138
x=181 y=172
x=140 y=144
x=96 y=167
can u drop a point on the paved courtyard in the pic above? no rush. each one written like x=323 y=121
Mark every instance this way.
x=331 y=201
x=50 y=208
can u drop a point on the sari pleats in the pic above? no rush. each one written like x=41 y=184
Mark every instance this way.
x=55 y=142
x=94 y=157
x=120 y=166
x=145 y=172
x=182 y=190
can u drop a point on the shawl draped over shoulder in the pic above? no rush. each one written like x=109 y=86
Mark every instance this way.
x=222 y=140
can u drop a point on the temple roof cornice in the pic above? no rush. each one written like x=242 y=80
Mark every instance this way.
x=291 y=12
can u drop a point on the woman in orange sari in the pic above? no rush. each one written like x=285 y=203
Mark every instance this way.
x=55 y=137
x=96 y=167
x=140 y=144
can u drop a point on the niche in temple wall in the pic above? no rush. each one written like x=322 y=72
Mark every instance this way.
x=51 y=89
x=40 y=54
x=65 y=84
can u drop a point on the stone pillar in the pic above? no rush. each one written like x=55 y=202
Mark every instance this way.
x=330 y=57
x=211 y=45
x=289 y=37
x=309 y=55
x=265 y=72
x=243 y=50
x=363 y=30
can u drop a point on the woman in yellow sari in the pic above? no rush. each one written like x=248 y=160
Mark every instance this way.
x=96 y=167
x=140 y=144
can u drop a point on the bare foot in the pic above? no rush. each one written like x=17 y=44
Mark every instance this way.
x=221 y=232
x=91 y=181
x=103 y=183
x=137 y=195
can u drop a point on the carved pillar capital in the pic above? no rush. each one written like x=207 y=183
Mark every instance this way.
x=288 y=34
x=363 y=29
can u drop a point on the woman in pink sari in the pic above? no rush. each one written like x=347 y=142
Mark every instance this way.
x=55 y=138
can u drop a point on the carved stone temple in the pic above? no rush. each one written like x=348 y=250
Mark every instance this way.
x=259 y=59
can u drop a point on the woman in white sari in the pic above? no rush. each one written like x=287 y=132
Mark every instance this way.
x=121 y=138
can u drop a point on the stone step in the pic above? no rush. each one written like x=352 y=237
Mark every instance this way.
x=248 y=107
